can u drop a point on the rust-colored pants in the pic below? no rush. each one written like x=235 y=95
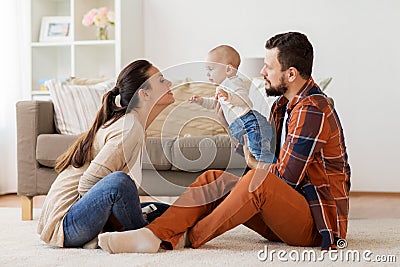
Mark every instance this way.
x=219 y=201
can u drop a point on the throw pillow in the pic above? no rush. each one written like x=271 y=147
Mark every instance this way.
x=85 y=81
x=182 y=119
x=75 y=106
x=324 y=83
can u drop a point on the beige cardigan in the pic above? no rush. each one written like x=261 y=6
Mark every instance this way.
x=115 y=148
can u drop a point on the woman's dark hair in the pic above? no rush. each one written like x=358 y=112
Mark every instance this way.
x=132 y=78
x=294 y=50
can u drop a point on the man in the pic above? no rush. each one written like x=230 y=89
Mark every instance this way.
x=302 y=199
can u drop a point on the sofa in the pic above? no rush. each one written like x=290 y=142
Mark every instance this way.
x=171 y=161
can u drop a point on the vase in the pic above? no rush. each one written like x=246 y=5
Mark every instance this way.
x=102 y=33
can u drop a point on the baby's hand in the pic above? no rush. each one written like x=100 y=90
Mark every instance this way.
x=196 y=99
x=222 y=94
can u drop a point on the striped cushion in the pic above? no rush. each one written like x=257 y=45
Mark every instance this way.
x=75 y=106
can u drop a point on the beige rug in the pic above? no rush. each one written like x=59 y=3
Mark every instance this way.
x=20 y=246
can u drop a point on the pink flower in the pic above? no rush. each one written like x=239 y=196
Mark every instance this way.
x=100 y=17
x=88 y=19
x=100 y=21
x=102 y=11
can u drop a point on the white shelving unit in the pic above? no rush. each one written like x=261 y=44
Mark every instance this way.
x=83 y=55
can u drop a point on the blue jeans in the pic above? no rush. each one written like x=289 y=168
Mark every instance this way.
x=116 y=194
x=259 y=135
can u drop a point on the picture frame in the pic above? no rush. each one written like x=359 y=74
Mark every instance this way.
x=55 y=29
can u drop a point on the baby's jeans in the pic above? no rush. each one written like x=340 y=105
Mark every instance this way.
x=259 y=135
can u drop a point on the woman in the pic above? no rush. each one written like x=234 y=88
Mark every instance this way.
x=92 y=184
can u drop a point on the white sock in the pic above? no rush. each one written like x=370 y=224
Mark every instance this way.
x=135 y=241
x=92 y=244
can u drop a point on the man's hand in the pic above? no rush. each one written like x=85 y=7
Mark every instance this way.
x=220 y=114
x=221 y=93
x=196 y=99
x=250 y=160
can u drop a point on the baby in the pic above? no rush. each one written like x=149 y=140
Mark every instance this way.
x=233 y=96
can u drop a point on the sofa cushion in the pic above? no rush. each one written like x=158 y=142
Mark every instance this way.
x=187 y=154
x=50 y=146
x=157 y=153
x=75 y=106
x=205 y=152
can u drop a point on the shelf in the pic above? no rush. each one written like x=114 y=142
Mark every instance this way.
x=44 y=44
x=90 y=42
x=41 y=95
x=82 y=55
x=36 y=92
x=94 y=61
x=95 y=42
x=50 y=62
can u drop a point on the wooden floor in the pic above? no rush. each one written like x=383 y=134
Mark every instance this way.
x=362 y=205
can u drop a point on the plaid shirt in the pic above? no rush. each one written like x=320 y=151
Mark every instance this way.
x=313 y=159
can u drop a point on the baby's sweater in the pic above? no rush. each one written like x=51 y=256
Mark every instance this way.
x=238 y=102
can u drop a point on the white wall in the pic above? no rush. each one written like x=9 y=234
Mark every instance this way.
x=357 y=42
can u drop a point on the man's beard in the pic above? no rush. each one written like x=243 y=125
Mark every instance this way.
x=277 y=90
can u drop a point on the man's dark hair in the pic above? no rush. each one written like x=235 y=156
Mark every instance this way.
x=294 y=50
